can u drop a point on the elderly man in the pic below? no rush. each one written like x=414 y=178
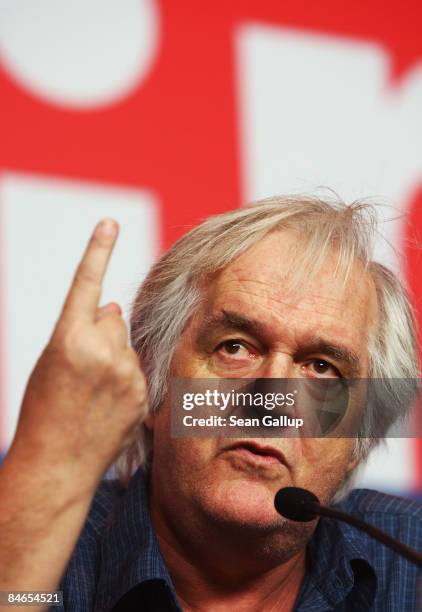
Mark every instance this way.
x=284 y=288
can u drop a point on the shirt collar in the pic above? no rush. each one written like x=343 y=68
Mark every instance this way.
x=339 y=565
x=130 y=553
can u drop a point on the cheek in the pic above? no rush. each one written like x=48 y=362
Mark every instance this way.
x=324 y=465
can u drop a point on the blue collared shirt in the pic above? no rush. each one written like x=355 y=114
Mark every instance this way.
x=117 y=564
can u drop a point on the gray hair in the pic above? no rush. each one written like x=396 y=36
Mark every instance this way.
x=173 y=290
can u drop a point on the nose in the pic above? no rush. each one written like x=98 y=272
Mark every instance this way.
x=277 y=365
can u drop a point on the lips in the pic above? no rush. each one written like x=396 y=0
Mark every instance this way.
x=258 y=453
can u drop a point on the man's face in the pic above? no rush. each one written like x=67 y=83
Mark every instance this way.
x=251 y=326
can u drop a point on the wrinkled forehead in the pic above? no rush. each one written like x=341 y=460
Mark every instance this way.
x=272 y=274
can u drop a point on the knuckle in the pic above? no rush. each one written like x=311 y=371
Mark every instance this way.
x=81 y=351
x=86 y=275
x=131 y=383
x=103 y=358
x=125 y=372
x=67 y=341
x=140 y=389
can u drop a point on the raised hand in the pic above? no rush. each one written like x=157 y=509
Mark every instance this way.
x=87 y=391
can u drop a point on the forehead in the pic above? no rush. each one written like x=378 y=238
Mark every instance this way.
x=259 y=283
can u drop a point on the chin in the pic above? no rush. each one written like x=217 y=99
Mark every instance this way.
x=243 y=503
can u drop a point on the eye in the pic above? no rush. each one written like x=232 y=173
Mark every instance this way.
x=323 y=369
x=232 y=347
x=234 y=354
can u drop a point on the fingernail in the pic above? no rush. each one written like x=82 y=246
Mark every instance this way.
x=107 y=227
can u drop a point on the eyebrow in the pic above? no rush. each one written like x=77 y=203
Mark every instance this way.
x=339 y=352
x=230 y=320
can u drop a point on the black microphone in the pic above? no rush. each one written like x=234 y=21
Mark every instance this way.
x=303 y=506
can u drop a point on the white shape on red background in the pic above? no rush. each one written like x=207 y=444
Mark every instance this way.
x=78 y=53
x=322 y=110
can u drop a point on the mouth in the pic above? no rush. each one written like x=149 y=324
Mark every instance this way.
x=257 y=453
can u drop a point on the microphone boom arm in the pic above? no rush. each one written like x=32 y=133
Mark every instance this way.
x=378 y=534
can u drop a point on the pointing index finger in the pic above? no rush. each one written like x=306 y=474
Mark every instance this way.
x=85 y=291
